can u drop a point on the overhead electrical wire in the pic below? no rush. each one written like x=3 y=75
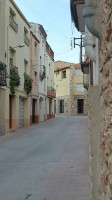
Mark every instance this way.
x=63 y=49
x=63 y=52
x=34 y=11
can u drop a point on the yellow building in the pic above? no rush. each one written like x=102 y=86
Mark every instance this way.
x=71 y=98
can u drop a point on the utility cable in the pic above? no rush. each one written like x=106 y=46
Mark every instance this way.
x=64 y=52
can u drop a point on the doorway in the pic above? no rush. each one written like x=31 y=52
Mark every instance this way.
x=21 y=112
x=80 y=106
x=10 y=111
x=61 y=106
x=33 y=111
x=50 y=104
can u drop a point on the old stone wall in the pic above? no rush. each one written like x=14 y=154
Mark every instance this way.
x=105 y=60
x=100 y=109
x=70 y=105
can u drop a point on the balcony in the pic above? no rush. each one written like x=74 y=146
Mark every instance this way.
x=13 y=24
x=51 y=92
x=13 y=68
x=42 y=72
x=26 y=40
x=3 y=74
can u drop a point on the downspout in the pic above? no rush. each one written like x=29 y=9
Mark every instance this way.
x=89 y=44
x=88 y=13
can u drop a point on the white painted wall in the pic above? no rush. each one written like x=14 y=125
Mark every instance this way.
x=49 y=63
x=41 y=61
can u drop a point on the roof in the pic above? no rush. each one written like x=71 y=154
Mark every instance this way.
x=76 y=7
x=61 y=65
x=21 y=14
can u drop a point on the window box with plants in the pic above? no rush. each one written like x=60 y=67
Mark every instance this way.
x=27 y=83
x=14 y=80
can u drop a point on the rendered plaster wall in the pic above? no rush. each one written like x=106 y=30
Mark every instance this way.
x=96 y=18
x=95 y=141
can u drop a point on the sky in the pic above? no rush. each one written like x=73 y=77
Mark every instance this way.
x=55 y=17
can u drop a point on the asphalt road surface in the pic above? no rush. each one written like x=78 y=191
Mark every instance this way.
x=48 y=161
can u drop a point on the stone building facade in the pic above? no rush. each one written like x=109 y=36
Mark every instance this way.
x=69 y=101
x=98 y=20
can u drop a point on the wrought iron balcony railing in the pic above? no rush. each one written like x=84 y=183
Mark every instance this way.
x=13 y=24
x=51 y=89
x=51 y=92
x=26 y=40
x=3 y=74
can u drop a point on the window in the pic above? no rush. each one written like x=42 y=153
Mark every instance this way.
x=35 y=75
x=35 y=45
x=26 y=66
x=64 y=74
x=49 y=67
x=12 y=20
x=12 y=14
x=12 y=56
x=80 y=88
x=12 y=59
x=26 y=40
x=61 y=106
x=78 y=72
x=47 y=81
x=80 y=106
x=51 y=83
x=56 y=88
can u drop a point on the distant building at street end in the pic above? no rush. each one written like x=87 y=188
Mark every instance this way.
x=71 y=97
x=51 y=93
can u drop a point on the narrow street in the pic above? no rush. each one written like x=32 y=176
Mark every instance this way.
x=48 y=161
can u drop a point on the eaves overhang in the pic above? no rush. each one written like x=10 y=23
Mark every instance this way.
x=76 y=7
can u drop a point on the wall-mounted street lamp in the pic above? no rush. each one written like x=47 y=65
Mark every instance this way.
x=19 y=46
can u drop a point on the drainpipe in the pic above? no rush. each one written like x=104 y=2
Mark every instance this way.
x=89 y=44
x=88 y=13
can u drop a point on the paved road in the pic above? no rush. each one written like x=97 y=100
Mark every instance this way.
x=46 y=162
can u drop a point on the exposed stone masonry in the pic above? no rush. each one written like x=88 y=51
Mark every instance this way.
x=70 y=101
x=106 y=99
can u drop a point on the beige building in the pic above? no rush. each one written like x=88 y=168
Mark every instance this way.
x=15 y=34
x=71 y=98
x=51 y=93
x=97 y=30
